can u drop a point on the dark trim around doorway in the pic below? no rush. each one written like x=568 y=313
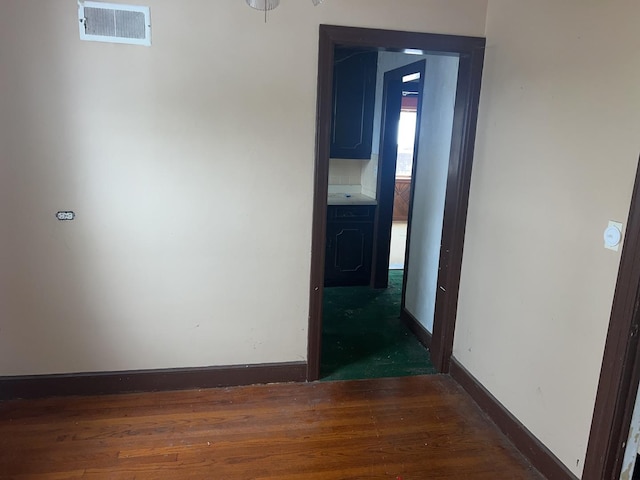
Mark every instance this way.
x=391 y=104
x=620 y=373
x=471 y=51
x=455 y=209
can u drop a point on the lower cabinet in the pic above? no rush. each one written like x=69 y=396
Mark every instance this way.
x=349 y=245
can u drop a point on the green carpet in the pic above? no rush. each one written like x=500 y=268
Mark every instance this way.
x=363 y=337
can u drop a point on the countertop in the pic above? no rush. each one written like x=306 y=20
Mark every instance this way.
x=350 y=199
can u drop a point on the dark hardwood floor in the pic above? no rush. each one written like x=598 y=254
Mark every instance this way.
x=395 y=428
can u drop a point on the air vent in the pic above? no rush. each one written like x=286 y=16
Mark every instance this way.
x=114 y=23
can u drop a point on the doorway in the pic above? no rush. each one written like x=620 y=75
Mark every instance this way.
x=363 y=336
x=407 y=134
x=470 y=51
x=403 y=85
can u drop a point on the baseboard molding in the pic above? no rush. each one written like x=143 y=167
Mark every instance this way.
x=104 y=383
x=540 y=456
x=412 y=323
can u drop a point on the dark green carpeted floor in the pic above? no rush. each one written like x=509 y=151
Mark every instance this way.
x=363 y=336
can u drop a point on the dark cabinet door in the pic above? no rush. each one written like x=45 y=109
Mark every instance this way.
x=354 y=90
x=348 y=253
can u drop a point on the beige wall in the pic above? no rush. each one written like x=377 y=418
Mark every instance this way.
x=189 y=165
x=555 y=159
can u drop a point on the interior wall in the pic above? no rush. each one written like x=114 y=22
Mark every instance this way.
x=430 y=186
x=556 y=153
x=189 y=165
x=369 y=176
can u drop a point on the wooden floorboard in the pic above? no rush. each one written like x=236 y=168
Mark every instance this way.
x=395 y=428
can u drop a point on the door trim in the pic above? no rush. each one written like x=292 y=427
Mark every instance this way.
x=471 y=51
x=387 y=171
x=620 y=372
x=465 y=119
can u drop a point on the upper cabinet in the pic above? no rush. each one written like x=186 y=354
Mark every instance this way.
x=354 y=91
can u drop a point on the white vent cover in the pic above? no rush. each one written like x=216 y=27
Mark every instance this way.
x=114 y=23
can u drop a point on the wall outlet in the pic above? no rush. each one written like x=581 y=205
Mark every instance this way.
x=67 y=215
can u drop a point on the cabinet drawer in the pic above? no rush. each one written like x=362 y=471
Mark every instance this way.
x=350 y=213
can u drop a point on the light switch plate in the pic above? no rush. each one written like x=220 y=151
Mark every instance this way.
x=613 y=236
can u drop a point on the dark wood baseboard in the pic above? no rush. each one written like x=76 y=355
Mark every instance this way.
x=540 y=456
x=412 y=323
x=104 y=383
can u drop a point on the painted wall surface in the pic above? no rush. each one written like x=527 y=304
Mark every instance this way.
x=430 y=180
x=556 y=155
x=369 y=177
x=189 y=165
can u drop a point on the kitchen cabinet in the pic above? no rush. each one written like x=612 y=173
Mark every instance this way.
x=349 y=245
x=354 y=91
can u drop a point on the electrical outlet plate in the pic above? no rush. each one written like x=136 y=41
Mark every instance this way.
x=65 y=215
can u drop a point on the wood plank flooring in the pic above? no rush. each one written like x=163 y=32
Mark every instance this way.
x=406 y=428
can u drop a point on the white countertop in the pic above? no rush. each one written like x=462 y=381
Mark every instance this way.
x=350 y=199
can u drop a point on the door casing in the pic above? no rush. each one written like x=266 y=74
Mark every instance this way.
x=471 y=54
x=391 y=105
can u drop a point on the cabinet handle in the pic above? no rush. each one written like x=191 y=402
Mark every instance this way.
x=346 y=214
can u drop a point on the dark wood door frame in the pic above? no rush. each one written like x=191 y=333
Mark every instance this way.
x=391 y=107
x=463 y=137
x=620 y=372
x=471 y=52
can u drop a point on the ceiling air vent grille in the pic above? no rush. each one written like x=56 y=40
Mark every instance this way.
x=114 y=23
